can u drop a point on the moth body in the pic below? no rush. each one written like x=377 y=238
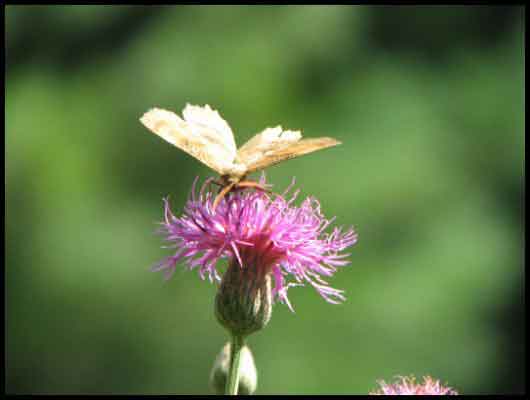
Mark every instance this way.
x=205 y=135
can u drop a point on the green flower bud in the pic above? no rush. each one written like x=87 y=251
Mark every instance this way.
x=248 y=378
x=243 y=303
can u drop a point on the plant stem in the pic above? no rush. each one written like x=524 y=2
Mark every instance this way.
x=232 y=383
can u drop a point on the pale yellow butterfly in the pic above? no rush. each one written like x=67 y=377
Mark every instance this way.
x=205 y=135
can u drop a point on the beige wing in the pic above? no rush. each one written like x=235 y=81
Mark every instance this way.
x=274 y=145
x=202 y=133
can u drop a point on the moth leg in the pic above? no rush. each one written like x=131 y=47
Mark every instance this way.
x=251 y=184
x=218 y=183
x=222 y=194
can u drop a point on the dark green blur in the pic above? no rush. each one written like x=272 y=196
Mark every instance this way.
x=429 y=105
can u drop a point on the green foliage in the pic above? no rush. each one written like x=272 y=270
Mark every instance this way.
x=429 y=105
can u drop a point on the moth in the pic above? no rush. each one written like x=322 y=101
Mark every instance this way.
x=205 y=135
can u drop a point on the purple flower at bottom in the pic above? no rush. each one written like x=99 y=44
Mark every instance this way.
x=261 y=231
x=408 y=386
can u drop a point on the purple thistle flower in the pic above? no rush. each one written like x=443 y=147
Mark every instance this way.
x=408 y=386
x=260 y=231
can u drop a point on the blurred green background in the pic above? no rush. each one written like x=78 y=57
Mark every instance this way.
x=429 y=105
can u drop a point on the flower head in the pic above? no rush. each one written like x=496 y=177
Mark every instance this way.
x=260 y=231
x=408 y=386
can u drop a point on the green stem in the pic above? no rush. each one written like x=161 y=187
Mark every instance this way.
x=232 y=383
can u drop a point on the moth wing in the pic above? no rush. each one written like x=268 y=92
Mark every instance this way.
x=288 y=151
x=202 y=133
x=213 y=124
x=269 y=139
x=274 y=145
